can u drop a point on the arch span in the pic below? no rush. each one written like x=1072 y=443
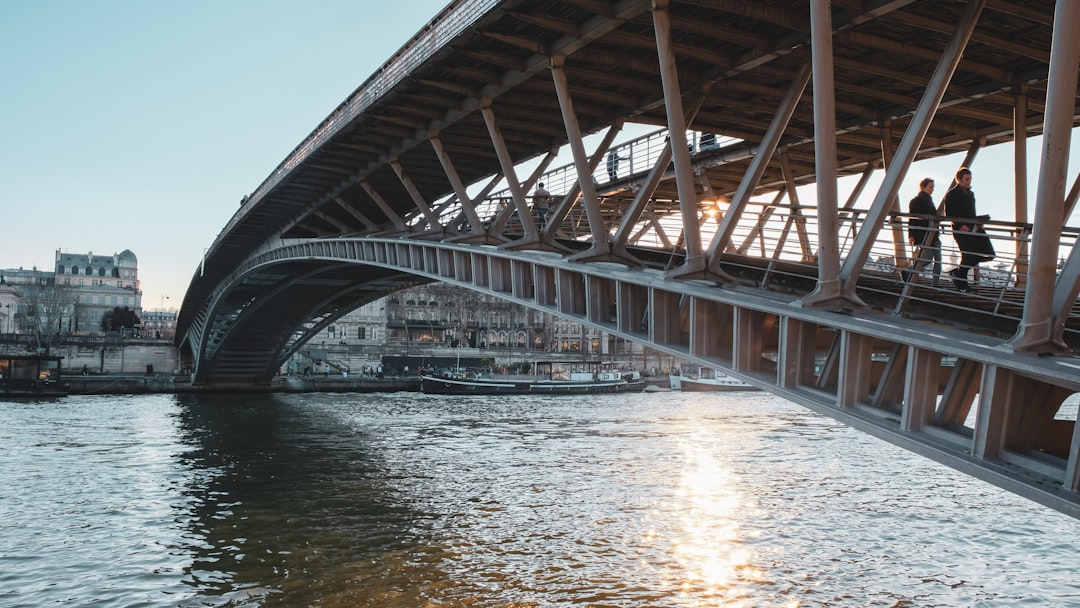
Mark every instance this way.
x=866 y=369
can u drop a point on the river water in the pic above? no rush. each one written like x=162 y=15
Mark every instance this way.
x=406 y=500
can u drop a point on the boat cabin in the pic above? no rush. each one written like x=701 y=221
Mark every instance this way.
x=30 y=376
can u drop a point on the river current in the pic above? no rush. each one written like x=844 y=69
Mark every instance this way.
x=406 y=500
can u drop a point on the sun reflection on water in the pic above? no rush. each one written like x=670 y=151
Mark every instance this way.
x=717 y=568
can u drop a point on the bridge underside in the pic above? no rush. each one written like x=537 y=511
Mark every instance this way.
x=693 y=239
x=945 y=392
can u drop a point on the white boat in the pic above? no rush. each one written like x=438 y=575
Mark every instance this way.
x=706 y=379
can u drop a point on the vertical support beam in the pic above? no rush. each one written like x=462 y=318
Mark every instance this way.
x=758 y=164
x=684 y=174
x=854 y=370
x=1020 y=183
x=994 y=392
x=828 y=284
x=581 y=162
x=1038 y=332
x=909 y=147
x=746 y=355
x=798 y=349
x=920 y=389
x=507 y=165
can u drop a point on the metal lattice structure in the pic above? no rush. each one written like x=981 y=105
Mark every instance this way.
x=691 y=238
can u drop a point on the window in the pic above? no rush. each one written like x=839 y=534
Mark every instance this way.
x=360 y=332
x=330 y=331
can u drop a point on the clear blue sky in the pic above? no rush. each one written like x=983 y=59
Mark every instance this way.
x=132 y=124
x=128 y=124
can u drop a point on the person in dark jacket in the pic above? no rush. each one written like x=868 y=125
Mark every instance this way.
x=923 y=233
x=974 y=245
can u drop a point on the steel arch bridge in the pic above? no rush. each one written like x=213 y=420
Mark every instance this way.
x=692 y=239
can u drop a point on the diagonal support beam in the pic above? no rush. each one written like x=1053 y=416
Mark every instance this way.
x=652 y=181
x=599 y=231
x=563 y=208
x=365 y=220
x=905 y=153
x=467 y=205
x=796 y=217
x=758 y=165
x=758 y=231
x=507 y=165
x=383 y=206
x=418 y=200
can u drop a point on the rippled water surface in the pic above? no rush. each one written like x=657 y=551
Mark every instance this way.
x=406 y=500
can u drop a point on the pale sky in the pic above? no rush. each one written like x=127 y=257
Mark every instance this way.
x=133 y=124
x=128 y=124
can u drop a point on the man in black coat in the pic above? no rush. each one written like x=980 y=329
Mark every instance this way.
x=923 y=233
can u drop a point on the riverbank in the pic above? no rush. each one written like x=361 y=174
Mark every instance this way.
x=133 y=384
x=125 y=384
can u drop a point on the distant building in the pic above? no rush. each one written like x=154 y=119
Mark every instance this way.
x=158 y=324
x=443 y=315
x=99 y=284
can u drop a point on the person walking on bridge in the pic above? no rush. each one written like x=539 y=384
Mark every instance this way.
x=541 y=201
x=613 y=160
x=975 y=247
x=923 y=232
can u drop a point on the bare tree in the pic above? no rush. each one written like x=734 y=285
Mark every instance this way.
x=46 y=310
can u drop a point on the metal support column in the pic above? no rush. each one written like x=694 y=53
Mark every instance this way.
x=418 y=200
x=1042 y=302
x=562 y=210
x=600 y=244
x=920 y=389
x=507 y=165
x=684 y=173
x=1020 y=183
x=475 y=225
x=383 y=206
x=827 y=292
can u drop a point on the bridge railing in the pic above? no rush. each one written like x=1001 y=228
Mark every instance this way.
x=778 y=243
x=634 y=157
